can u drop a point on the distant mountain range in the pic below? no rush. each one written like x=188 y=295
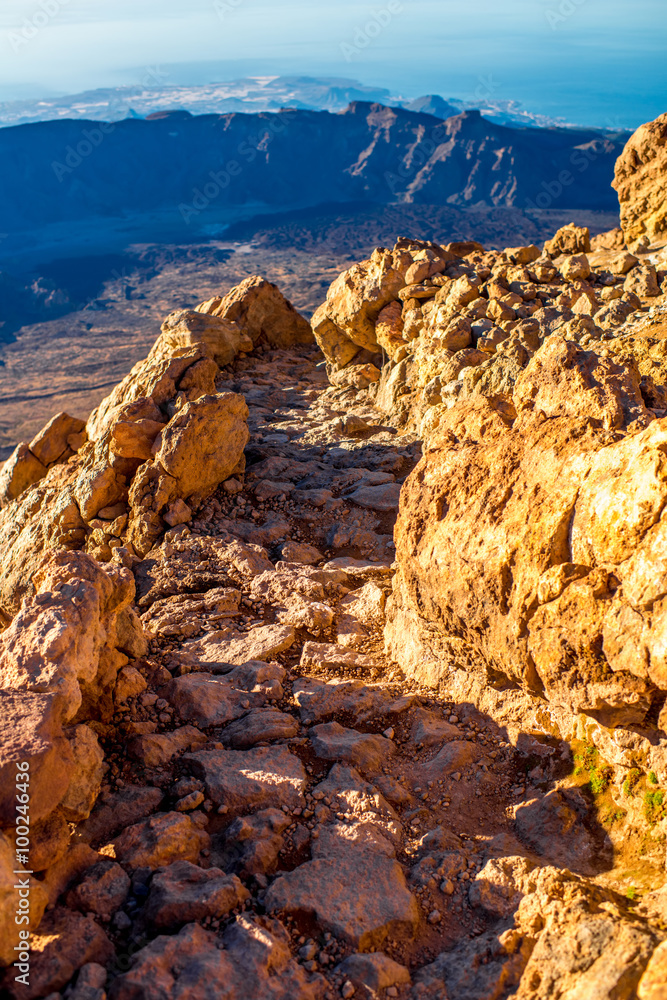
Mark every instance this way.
x=61 y=171
x=251 y=94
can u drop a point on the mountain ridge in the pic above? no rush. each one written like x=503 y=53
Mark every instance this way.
x=74 y=169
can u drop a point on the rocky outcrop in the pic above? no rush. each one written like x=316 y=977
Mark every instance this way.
x=424 y=326
x=541 y=565
x=260 y=309
x=55 y=444
x=640 y=178
x=154 y=448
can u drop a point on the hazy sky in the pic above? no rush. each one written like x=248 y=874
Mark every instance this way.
x=594 y=61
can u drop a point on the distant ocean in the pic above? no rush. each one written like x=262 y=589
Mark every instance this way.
x=590 y=62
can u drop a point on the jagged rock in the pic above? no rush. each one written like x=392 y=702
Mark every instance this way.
x=501 y=885
x=20 y=471
x=62 y=436
x=640 y=182
x=314 y=616
x=353 y=888
x=570 y=239
x=246 y=781
x=346 y=322
x=359 y=801
x=197 y=565
x=260 y=726
x=78 y=858
x=86 y=781
x=366 y=751
x=63 y=641
x=254 y=842
x=220 y=649
x=254 y=964
x=262 y=312
x=119 y=810
x=297 y=552
x=157 y=749
x=453 y=757
x=160 y=840
x=212 y=701
x=202 y=445
x=31 y=733
x=183 y=893
x=102 y=890
x=129 y=684
x=553 y=826
x=10 y=902
x=49 y=840
x=219 y=337
x=652 y=984
x=183 y=615
x=64 y=943
x=578 y=510
x=318 y=700
x=376 y=971
x=359 y=609
x=329 y=656
x=429 y=729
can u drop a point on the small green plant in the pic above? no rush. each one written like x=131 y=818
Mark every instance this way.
x=631 y=893
x=631 y=782
x=654 y=806
x=653 y=777
x=600 y=779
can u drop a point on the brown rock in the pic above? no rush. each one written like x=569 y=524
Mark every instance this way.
x=613 y=239
x=376 y=971
x=576 y=504
x=10 y=902
x=203 y=443
x=640 y=182
x=86 y=781
x=215 y=335
x=570 y=239
x=245 y=781
x=355 y=890
x=160 y=840
x=49 y=840
x=119 y=810
x=20 y=471
x=260 y=309
x=157 y=749
x=653 y=984
x=183 y=893
x=63 y=641
x=64 y=943
x=31 y=734
x=254 y=964
x=259 y=726
x=53 y=441
x=212 y=701
x=365 y=751
x=103 y=890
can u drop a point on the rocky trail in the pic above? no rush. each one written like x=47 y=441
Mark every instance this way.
x=336 y=669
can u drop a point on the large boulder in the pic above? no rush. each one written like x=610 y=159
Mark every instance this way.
x=63 y=641
x=530 y=549
x=640 y=180
x=251 y=962
x=161 y=437
x=259 y=308
x=347 y=322
x=221 y=339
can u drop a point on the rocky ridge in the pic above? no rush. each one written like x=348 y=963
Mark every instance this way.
x=343 y=677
